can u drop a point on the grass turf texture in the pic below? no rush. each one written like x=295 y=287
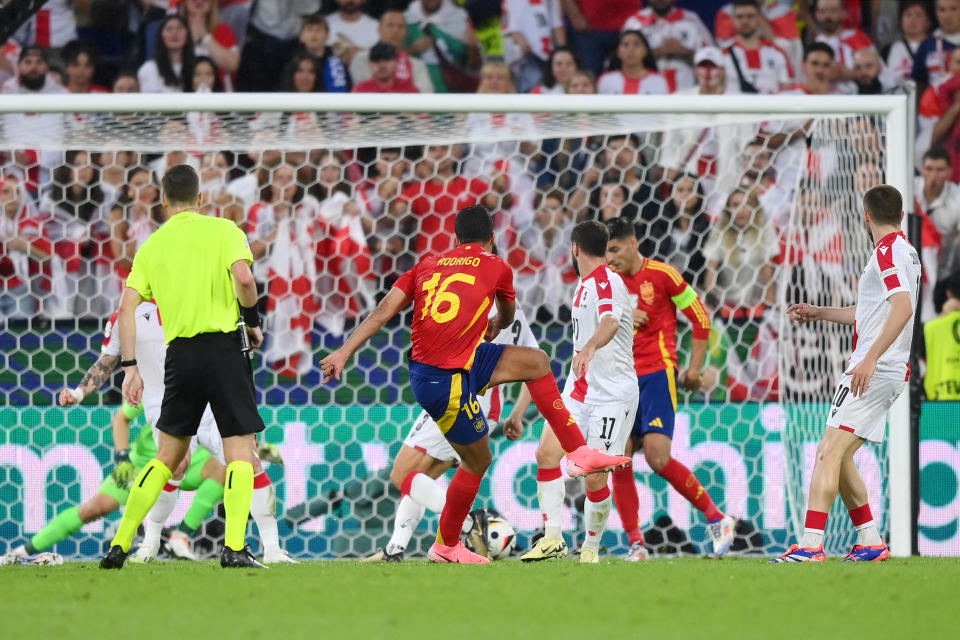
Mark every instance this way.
x=685 y=598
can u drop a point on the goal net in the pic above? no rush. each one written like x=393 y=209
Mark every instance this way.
x=755 y=201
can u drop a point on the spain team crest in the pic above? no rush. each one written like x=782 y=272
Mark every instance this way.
x=647 y=292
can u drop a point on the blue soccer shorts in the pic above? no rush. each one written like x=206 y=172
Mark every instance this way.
x=657 y=410
x=449 y=396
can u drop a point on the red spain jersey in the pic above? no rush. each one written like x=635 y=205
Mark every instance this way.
x=659 y=290
x=452 y=296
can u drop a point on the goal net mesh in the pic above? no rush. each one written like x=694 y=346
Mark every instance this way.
x=756 y=212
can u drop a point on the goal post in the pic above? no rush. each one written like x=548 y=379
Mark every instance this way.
x=252 y=122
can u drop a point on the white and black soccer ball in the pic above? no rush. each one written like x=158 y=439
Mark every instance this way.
x=501 y=539
x=489 y=534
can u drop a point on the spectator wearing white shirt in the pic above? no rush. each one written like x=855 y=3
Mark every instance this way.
x=393 y=30
x=753 y=63
x=779 y=23
x=633 y=68
x=172 y=62
x=830 y=16
x=915 y=25
x=531 y=29
x=674 y=35
x=351 y=30
x=560 y=68
x=26 y=131
x=708 y=152
x=938 y=204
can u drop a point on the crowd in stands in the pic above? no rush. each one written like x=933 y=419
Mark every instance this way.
x=331 y=229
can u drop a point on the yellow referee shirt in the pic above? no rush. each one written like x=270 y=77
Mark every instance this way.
x=942 y=338
x=185 y=267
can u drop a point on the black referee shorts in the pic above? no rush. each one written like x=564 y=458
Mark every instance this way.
x=208 y=367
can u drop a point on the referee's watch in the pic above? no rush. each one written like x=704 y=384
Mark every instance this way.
x=250 y=315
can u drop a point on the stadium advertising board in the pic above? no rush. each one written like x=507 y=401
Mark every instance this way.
x=51 y=458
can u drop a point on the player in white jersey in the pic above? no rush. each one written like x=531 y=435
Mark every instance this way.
x=601 y=392
x=151 y=352
x=426 y=454
x=875 y=377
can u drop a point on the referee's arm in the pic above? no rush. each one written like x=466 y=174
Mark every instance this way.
x=246 y=290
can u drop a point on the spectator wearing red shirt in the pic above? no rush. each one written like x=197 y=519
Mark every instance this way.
x=383 y=73
x=436 y=198
x=594 y=27
x=21 y=242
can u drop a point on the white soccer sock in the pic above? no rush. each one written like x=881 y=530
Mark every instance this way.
x=409 y=514
x=595 y=516
x=868 y=535
x=161 y=510
x=263 y=508
x=428 y=493
x=550 y=495
x=812 y=538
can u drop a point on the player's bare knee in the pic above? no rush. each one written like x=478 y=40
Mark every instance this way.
x=539 y=364
x=656 y=459
x=97 y=507
x=547 y=457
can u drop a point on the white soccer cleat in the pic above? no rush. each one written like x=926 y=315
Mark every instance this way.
x=147 y=552
x=277 y=556
x=637 y=553
x=13 y=556
x=43 y=558
x=179 y=546
x=722 y=532
x=590 y=553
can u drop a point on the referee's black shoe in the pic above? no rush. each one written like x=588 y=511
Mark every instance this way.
x=114 y=558
x=242 y=558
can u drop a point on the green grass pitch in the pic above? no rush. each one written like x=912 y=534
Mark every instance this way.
x=683 y=598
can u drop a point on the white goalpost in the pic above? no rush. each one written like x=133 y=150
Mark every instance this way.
x=748 y=437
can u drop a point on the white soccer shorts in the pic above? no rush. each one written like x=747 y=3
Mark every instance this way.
x=425 y=436
x=864 y=416
x=605 y=426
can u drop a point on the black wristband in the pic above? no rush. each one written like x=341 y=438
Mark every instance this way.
x=128 y=363
x=251 y=317
x=123 y=455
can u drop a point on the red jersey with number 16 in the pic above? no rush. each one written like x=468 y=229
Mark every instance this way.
x=452 y=295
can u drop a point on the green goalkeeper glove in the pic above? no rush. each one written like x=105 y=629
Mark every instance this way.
x=123 y=470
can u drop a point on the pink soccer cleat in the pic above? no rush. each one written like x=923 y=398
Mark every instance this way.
x=457 y=554
x=585 y=460
x=867 y=553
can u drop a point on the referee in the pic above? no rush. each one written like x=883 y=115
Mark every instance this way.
x=196 y=268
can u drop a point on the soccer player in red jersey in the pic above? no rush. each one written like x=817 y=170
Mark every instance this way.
x=450 y=365
x=659 y=291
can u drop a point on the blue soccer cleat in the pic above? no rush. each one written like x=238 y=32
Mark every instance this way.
x=799 y=554
x=866 y=553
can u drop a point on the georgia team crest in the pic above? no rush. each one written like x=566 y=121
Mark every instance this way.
x=647 y=292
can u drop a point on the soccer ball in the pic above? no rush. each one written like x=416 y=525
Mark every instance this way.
x=489 y=534
x=501 y=539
